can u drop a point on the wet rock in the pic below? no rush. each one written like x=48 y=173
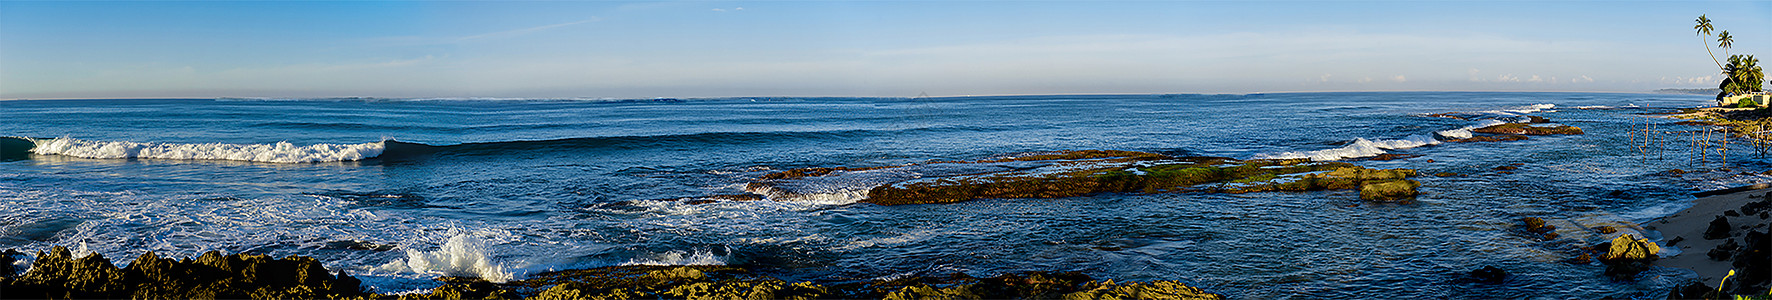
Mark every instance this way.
x=723 y=282
x=1536 y=228
x=1489 y=274
x=1627 y=255
x=1605 y=229
x=1490 y=138
x=1506 y=168
x=1536 y=119
x=1447 y=174
x=699 y=201
x=1078 y=173
x=1754 y=263
x=211 y=276
x=1529 y=129
x=1731 y=213
x=1723 y=251
x=1676 y=240
x=1719 y=228
x=1389 y=190
x=7 y=259
x=1695 y=290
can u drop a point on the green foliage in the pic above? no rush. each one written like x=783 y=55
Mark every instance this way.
x=1744 y=77
x=1747 y=103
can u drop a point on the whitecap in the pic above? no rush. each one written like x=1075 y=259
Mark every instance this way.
x=680 y=258
x=280 y=152
x=1361 y=147
x=464 y=255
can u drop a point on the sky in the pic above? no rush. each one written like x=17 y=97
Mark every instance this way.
x=609 y=49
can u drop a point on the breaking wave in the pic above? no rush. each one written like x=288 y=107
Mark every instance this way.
x=680 y=258
x=280 y=152
x=464 y=255
x=1361 y=147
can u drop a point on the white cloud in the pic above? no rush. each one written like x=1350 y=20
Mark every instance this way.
x=1582 y=79
x=1507 y=78
x=1399 y=78
x=1324 y=78
x=1535 y=78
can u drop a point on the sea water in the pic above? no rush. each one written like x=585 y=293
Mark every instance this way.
x=401 y=191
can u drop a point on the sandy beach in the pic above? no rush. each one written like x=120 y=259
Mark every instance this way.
x=1689 y=227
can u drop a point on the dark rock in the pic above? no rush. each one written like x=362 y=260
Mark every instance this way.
x=1447 y=174
x=1676 y=240
x=1719 y=228
x=1536 y=119
x=1078 y=173
x=1490 y=138
x=699 y=201
x=1528 y=129
x=1489 y=274
x=7 y=258
x=1695 y=290
x=1506 y=168
x=1731 y=213
x=210 y=276
x=1627 y=255
x=1754 y=263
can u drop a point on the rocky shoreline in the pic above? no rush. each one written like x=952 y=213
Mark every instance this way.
x=1721 y=235
x=61 y=275
x=1076 y=173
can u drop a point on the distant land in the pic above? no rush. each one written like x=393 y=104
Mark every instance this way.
x=1709 y=91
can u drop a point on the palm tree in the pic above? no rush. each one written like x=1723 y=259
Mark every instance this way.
x=1704 y=30
x=1725 y=41
x=1744 y=76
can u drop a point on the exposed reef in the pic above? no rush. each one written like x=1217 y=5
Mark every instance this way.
x=1077 y=173
x=1529 y=129
x=59 y=275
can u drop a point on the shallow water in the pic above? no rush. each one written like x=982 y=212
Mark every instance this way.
x=513 y=187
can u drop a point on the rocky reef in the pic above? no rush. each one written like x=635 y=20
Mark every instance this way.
x=1529 y=129
x=1077 y=173
x=60 y=275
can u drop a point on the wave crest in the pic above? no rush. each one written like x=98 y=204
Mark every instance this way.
x=1361 y=147
x=280 y=152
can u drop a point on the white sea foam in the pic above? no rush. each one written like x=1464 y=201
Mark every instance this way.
x=1463 y=133
x=280 y=152
x=1523 y=109
x=464 y=255
x=1361 y=147
x=680 y=258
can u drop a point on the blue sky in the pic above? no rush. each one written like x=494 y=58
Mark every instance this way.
x=605 y=49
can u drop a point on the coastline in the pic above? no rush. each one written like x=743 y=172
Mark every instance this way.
x=1687 y=228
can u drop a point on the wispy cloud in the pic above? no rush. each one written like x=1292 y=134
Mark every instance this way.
x=518 y=32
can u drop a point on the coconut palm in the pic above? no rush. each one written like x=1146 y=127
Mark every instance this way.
x=1725 y=41
x=1704 y=28
x=1744 y=76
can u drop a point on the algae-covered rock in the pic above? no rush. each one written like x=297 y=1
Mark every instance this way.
x=1078 y=173
x=1627 y=255
x=59 y=275
x=1389 y=190
x=1529 y=129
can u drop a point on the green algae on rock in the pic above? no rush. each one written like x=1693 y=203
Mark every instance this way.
x=1077 y=173
x=1529 y=129
x=60 y=275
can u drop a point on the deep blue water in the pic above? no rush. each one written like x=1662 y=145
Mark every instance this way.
x=534 y=185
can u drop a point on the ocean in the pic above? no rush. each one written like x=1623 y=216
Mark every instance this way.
x=402 y=191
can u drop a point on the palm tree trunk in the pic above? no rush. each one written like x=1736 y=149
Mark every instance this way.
x=1713 y=55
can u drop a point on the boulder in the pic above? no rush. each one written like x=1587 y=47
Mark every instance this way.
x=1627 y=255
x=1719 y=228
